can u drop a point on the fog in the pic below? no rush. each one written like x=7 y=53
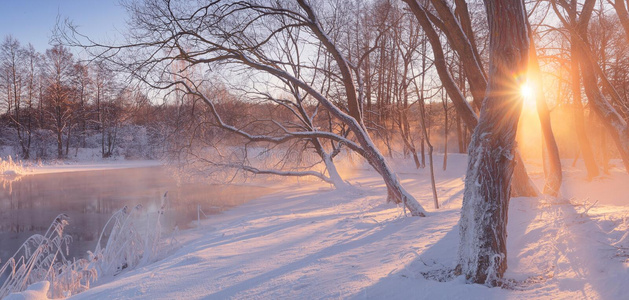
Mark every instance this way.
x=29 y=204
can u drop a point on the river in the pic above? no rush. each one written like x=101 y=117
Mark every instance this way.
x=29 y=204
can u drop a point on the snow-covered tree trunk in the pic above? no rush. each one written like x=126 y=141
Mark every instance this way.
x=483 y=225
x=333 y=173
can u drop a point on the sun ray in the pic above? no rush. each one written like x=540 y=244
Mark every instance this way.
x=528 y=95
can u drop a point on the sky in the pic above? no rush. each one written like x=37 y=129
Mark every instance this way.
x=32 y=21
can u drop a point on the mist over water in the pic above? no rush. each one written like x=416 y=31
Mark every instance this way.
x=29 y=204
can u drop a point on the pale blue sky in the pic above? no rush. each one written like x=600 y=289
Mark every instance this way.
x=32 y=21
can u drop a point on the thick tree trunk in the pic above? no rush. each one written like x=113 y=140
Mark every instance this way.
x=483 y=224
x=521 y=183
x=333 y=173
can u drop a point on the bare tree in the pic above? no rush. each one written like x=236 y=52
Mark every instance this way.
x=32 y=74
x=483 y=225
x=444 y=103
x=242 y=35
x=408 y=45
x=422 y=111
x=14 y=65
x=82 y=84
x=58 y=95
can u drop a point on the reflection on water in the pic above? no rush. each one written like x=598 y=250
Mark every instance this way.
x=29 y=204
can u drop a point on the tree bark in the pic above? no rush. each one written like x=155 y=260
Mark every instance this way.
x=482 y=254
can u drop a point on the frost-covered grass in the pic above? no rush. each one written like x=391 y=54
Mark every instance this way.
x=9 y=167
x=124 y=244
x=129 y=244
x=43 y=258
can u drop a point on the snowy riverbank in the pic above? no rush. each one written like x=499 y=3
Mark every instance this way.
x=9 y=167
x=310 y=241
x=92 y=166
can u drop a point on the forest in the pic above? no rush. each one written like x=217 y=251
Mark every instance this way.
x=233 y=90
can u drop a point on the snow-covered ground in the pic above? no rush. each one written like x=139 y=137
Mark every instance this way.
x=8 y=167
x=91 y=166
x=312 y=242
x=81 y=159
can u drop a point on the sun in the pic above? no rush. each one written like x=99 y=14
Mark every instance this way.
x=528 y=95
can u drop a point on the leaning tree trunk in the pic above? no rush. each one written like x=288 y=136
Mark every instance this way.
x=615 y=124
x=552 y=161
x=579 y=119
x=354 y=121
x=483 y=225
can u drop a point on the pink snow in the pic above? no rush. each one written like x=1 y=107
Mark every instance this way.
x=35 y=291
x=91 y=166
x=310 y=241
